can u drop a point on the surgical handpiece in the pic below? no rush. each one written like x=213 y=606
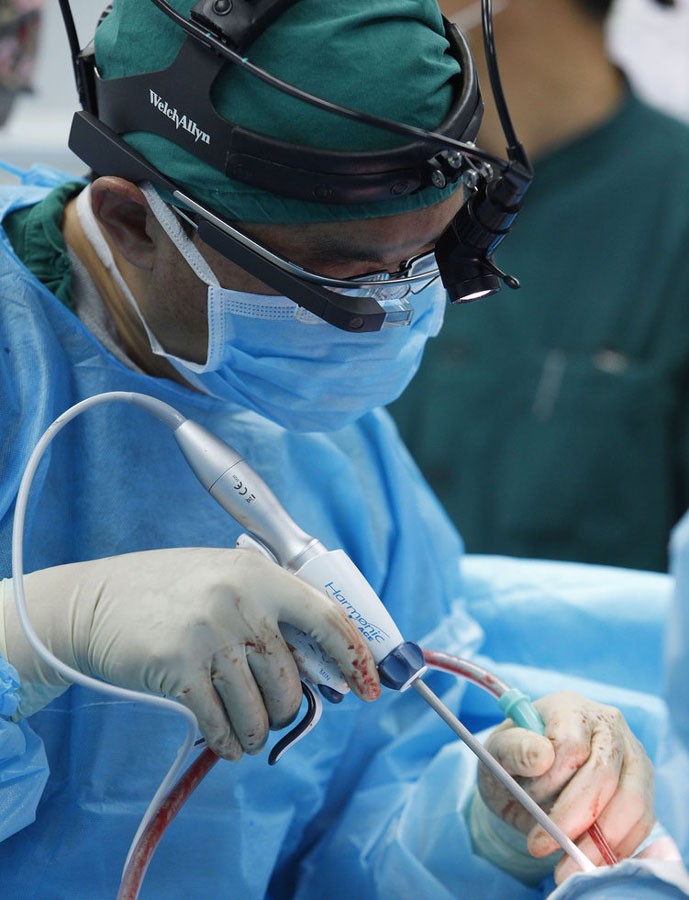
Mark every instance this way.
x=249 y=500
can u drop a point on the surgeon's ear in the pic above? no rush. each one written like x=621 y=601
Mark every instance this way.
x=121 y=208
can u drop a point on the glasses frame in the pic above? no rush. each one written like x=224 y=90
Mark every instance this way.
x=401 y=276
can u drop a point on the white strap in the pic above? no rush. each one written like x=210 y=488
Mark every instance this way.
x=173 y=228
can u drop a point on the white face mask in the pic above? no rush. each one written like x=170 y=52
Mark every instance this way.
x=267 y=354
x=470 y=18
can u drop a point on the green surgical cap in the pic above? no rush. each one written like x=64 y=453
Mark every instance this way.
x=387 y=57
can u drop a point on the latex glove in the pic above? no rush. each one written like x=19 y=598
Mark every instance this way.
x=588 y=767
x=200 y=625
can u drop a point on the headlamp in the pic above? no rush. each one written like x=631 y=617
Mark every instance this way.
x=465 y=251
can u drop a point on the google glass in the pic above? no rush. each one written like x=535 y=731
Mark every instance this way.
x=218 y=32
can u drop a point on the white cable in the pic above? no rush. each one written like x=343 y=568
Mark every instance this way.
x=517 y=791
x=172 y=418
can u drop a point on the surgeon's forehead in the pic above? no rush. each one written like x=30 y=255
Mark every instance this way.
x=377 y=240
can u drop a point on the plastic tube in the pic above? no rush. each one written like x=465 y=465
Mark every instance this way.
x=143 y=851
x=446 y=662
x=144 y=846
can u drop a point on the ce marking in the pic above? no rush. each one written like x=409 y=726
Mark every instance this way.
x=242 y=490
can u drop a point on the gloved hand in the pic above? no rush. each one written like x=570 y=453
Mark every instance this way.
x=200 y=625
x=588 y=767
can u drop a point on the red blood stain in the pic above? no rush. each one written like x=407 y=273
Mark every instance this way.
x=507 y=809
x=367 y=683
x=145 y=847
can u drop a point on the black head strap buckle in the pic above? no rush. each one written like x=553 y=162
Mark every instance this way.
x=238 y=22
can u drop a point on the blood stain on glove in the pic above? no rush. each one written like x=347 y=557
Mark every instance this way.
x=366 y=683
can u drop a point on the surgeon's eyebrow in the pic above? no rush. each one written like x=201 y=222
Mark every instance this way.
x=331 y=249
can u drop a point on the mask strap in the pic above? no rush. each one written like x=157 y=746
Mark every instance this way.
x=95 y=237
x=173 y=228
x=100 y=245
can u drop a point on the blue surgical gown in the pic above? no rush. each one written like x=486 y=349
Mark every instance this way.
x=23 y=764
x=673 y=757
x=369 y=804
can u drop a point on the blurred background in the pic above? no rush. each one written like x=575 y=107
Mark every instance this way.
x=652 y=46
x=37 y=125
x=553 y=421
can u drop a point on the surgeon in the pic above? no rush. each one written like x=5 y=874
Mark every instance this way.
x=109 y=286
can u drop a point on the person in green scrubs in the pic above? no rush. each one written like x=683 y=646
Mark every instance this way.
x=553 y=422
